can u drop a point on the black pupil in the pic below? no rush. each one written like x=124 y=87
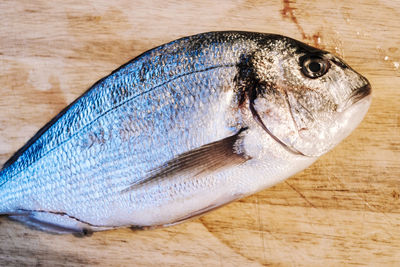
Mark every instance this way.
x=315 y=66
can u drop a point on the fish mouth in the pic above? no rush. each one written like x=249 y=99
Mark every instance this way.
x=360 y=93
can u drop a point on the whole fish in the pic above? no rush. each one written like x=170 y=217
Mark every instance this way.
x=183 y=129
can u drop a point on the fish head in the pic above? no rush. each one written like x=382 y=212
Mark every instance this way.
x=307 y=99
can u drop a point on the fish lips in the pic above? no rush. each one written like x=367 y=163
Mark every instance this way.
x=360 y=93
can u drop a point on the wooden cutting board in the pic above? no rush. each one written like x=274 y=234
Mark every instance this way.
x=344 y=210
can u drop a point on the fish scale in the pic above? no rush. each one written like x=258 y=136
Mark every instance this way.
x=176 y=132
x=81 y=168
x=107 y=92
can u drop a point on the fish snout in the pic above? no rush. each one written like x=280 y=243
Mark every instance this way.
x=360 y=93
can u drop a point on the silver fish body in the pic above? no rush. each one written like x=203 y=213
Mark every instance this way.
x=182 y=129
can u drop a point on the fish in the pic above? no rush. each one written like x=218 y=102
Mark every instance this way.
x=181 y=130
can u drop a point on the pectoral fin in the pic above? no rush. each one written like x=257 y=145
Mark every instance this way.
x=203 y=160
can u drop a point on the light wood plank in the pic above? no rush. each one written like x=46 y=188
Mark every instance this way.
x=344 y=210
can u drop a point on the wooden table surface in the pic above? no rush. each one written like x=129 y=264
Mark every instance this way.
x=343 y=210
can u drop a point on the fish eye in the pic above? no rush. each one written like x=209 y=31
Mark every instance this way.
x=314 y=66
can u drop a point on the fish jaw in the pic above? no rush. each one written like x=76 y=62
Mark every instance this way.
x=338 y=127
x=349 y=119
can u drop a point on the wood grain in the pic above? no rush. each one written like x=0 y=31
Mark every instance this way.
x=344 y=210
